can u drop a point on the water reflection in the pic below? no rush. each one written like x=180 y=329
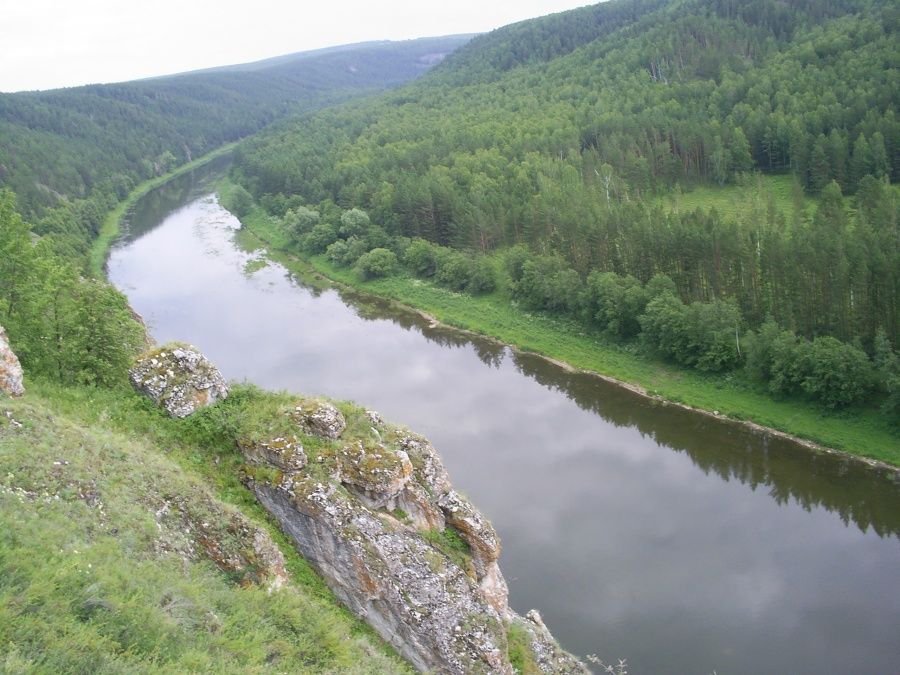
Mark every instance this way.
x=679 y=541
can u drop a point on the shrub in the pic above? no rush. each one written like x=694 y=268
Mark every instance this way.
x=300 y=221
x=664 y=326
x=337 y=252
x=454 y=269
x=379 y=262
x=482 y=278
x=837 y=374
x=614 y=303
x=354 y=223
x=421 y=258
x=712 y=335
x=319 y=238
x=239 y=201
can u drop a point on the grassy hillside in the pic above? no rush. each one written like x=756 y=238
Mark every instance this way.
x=126 y=546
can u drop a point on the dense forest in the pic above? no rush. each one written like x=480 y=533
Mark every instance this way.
x=68 y=156
x=539 y=157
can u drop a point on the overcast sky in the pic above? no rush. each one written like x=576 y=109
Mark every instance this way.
x=57 y=43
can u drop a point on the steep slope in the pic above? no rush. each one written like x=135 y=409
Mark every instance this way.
x=115 y=557
x=64 y=144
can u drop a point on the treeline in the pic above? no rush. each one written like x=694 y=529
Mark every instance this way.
x=62 y=325
x=572 y=156
x=711 y=336
x=63 y=145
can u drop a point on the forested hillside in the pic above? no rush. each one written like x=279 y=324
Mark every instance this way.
x=66 y=144
x=68 y=156
x=553 y=144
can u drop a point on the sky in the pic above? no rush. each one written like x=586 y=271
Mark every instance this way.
x=46 y=44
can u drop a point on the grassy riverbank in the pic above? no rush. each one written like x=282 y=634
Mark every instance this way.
x=861 y=431
x=111 y=224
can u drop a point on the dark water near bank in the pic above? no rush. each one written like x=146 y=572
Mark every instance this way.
x=679 y=542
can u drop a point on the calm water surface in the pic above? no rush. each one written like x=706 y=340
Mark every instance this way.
x=681 y=543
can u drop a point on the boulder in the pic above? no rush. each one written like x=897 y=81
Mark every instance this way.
x=10 y=369
x=320 y=419
x=178 y=378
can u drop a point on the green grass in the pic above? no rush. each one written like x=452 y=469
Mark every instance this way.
x=862 y=432
x=91 y=580
x=109 y=230
x=732 y=201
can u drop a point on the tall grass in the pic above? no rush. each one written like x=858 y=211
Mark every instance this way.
x=91 y=580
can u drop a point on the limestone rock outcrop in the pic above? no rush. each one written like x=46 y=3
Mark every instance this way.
x=371 y=507
x=377 y=516
x=178 y=378
x=10 y=369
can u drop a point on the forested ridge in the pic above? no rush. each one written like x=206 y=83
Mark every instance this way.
x=537 y=160
x=69 y=156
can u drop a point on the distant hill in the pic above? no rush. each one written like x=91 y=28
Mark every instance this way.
x=62 y=144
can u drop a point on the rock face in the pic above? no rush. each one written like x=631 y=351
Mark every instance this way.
x=178 y=378
x=371 y=506
x=377 y=516
x=10 y=369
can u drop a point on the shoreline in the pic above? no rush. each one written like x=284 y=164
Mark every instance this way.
x=638 y=389
x=112 y=222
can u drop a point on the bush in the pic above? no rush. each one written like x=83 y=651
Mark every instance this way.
x=515 y=260
x=482 y=278
x=712 y=335
x=239 y=201
x=421 y=258
x=664 y=327
x=379 y=262
x=544 y=282
x=354 y=223
x=337 y=252
x=454 y=269
x=319 y=238
x=614 y=303
x=300 y=221
x=837 y=374
x=888 y=364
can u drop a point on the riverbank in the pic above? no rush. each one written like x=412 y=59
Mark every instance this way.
x=863 y=434
x=112 y=223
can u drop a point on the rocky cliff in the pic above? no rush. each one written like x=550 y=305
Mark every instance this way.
x=372 y=508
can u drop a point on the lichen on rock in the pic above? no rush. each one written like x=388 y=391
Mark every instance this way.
x=320 y=419
x=178 y=378
x=368 y=513
x=11 y=374
x=283 y=453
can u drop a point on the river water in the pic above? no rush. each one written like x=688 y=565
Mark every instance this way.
x=681 y=543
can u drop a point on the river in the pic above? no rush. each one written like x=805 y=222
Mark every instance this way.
x=679 y=542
